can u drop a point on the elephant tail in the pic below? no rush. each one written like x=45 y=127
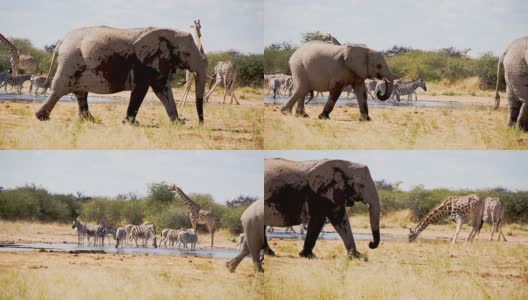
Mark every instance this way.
x=52 y=61
x=497 y=96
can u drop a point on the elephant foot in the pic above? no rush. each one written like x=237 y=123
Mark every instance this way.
x=323 y=116
x=230 y=267
x=286 y=111
x=181 y=122
x=307 y=254
x=302 y=114
x=86 y=116
x=130 y=121
x=364 y=118
x=269 y=252
x=353 y=253
x=42 y=115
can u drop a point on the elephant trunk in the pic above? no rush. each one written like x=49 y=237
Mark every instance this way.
x=374 y=212
x=389 y=84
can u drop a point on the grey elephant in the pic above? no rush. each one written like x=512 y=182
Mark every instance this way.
x=298 y=192
x=253 y=223
x=319 y=66
x=107 y=60
x=515 y=62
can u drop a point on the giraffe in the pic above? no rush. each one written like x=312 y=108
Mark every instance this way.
x=196 y=213
x=494 y=213
x=189 y=77
x=18 y=61
x=330 y=39
x=459 y=209
x=224 y=72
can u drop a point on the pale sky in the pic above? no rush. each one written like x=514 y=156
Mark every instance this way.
x=226 y=24
x=482 y=25
x=223 y=174
x=433 y=169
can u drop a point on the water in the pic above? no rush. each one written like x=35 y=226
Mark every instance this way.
x=322 y=236
x=207 y=252
x=383 y=104
x=68 y=98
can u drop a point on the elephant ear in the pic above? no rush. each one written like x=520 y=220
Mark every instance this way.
x=155 y=49
x=328 y=179
x=356 y=59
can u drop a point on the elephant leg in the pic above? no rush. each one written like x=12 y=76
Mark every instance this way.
x=522 y=119
x=361 y=95
x=515 y=107
x=315 y=225
x=82 y=101
x=46 y=108
x=341 y=224
x=299 y=111
x=136 y=98
x=233 y=263
x=298 y=95
x=330 y=103
x=164 y=93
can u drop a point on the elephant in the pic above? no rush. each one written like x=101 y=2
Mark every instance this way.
x=297 y=192
x=319 y=66
x=253 y=223
x=515 y=62
x=107 y=60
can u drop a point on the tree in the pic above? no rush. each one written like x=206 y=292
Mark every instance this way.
x=241 y=200
x=314 y=36
x=51 y=47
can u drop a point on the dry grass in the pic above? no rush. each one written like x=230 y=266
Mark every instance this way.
x=226 y=126
x=393 y=128
x=467 y=87
x=37 y=275
x=59 y=275
x=430 y=268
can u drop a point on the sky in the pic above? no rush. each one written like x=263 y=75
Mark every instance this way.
x=223 y=174
x=227 y=174
x=433 y=169
x=226 y=24
x=482 y=25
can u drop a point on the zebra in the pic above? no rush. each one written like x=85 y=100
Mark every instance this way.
x=493 y=213
x=169 y=235
x=187 y=236
x=274 y=85
x=108 y=231
x=18 y=81
x=128 y=231
x=4 y=78
x=81 y=231
x=94 y=231
x=39 y=82
x=144 y=232
x=407 y=88
x=241 y=239
x=120 y=236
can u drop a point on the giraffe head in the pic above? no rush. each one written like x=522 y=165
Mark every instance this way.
x=413 y=234
x=171 y=188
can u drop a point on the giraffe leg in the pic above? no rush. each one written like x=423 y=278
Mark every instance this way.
x=457 y=230
x=226 y=89
x=210 y=91
x=493 y=230
x=500 y=231
x=211 y=228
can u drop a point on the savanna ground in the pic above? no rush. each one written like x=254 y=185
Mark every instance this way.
x=61 y=275
x=476 y=125
x=430 y=268
x=226 y=126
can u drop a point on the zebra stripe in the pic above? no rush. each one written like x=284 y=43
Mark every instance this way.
x=187 y=236
x=120 y=236
x=81 y=231
x=407 y=88
x=4 y=78
x=18 y=81
x=169 y=235
x=144 y=232
x=241 y=239
x=39 y=82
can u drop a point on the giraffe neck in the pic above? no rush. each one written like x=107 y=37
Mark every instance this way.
x=197 y=36
x=191 y=205
x=433 y=216
x=13 y=51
